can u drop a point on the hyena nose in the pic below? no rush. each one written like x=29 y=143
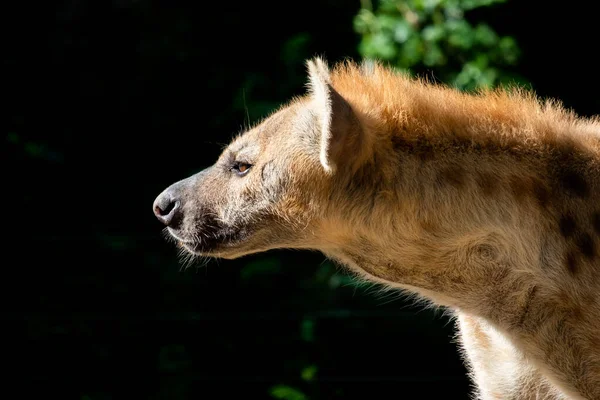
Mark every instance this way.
x=166 y=207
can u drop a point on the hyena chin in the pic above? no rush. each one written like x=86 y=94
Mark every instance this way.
x=485 y=203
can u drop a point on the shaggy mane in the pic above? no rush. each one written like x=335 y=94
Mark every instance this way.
x=412 y=107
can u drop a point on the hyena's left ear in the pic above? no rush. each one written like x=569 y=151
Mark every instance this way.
x=341 y=135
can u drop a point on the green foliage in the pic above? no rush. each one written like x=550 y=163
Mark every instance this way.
x=307 y=330
x=287 y=393
x=308 y=374
x=32 y=149
x=434 y=35
x=262 y=266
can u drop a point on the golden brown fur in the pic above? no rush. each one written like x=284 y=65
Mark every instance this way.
x=488 y=204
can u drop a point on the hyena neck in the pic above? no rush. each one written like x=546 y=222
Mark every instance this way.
x=475 y=223
x=489 y=206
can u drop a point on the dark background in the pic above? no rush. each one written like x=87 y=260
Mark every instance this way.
x=106 y=104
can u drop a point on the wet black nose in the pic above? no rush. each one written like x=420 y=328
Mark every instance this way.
x=167 y=207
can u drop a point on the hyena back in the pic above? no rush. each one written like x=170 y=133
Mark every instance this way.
x=485 y=203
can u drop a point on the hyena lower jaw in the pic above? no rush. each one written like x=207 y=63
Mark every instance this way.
x=487 y=204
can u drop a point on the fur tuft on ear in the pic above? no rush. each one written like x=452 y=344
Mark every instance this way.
x=319 y=85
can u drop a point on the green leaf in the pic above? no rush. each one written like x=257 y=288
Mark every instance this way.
x=433 y=33
x=34 y=149
x=340 y=279
x=388 y=23
x=433 y=56
x=287 y=393
x=378 y=45
x=476 y=74
x=307 y=330
x=485 y=35
x=262 y=266
x=461 y=34
x=364 y=21
x=488 y=77
x=295 y=47
x=402 y=31
x=389 y=6
x=471 y=4
x=309 y=373
x=431 y=4
x=324 y=272
x=509 y=49
x=12 y=137
x=411 y=53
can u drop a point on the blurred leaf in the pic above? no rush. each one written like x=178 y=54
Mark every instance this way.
x=509 y=49
x=476 y=74
x=287 y=393
x=379 y=45
x=434 y=56
x=461 y=35
x=339 y=279
x=324 y=272
x=388 y=23
x=12 y=137
x=307 y=330
x=294 y=49
x=34 y=149
x=485 y=35
x=471 y=4
x=411 y=51
x=309 y=373
x=402 y=31
x=262 y=266
x=364 y=20
x=433 y=33
x=431 y=4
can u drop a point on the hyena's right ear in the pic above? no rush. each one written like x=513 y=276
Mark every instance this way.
x=341 y=135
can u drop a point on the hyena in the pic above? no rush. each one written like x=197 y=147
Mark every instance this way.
x=484 y=203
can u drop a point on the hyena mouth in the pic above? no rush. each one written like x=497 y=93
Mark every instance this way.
x=207 y=241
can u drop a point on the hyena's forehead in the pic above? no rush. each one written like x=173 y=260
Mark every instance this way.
x=271 y=132
x=279 y=123
x=245 y=147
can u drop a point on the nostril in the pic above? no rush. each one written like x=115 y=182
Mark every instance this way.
x=165 y=208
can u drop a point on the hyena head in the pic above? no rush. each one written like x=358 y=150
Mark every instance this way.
x=274 y=186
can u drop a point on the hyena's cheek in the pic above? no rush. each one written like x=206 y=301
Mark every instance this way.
x=274 y=181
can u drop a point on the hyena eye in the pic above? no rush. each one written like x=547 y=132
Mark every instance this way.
x=241 y=168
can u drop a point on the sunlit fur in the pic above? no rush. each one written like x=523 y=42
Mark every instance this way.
x=466 y=204
x=487 y=204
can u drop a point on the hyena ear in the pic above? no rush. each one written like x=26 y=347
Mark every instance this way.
x=340 y=131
